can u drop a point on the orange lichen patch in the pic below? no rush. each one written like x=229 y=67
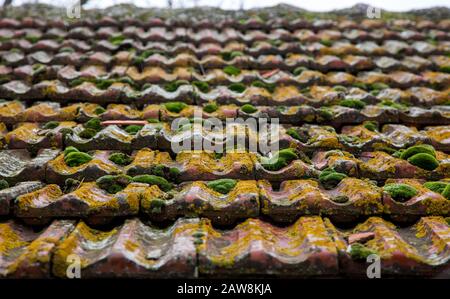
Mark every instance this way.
x=279 y=243
x=363 y=134
x=380 y=162
x=298 y=189
x=439 y=231
x=25 y=131
x=146 y=158
x=149 y=193
x=11 y=109
x=323 y=137
x=337 y=78
x=319 y=92
x=440 y=134
x=10 y=240
x=137 y=193
x=337 y=236
x=123 y=110
x=81 y=237
x=387 y=241
x=98 y=198
x=44 y=109
x=362 y=193
x=39 y=198
x=252 y=91
x=283 y=93
x=61 y=167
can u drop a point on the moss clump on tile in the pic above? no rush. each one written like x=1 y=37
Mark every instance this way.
x=360 y=252
x=120 y=159
x=371 y=125
x=231 y=70
x=417 y=149
x=223 y=186
x=293 y=133
x=231 y=55
x=424 y=161
x=400 y=192
x=378 y=86
x=50 y=125
x=340 y=199
x=175 y=107
x=94 y=124
x=202 y=86
x=210 y=107
x=237 y=87
x=3 y=184
x=173 y=86
x=113 y=183
x=133 y=129
x=162 y=183
x=270 y=87
x=70 y=149
x=297 y=71
x=99 y=110
x=330 y=178
x=248 y=108
x=117 y=39
x=352 y=103
x=87 y=133
x=442 y=188
x=74 y=159
x=279 y=160
x=156 y=205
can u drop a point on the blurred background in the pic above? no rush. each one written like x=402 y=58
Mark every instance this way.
x=313 y=5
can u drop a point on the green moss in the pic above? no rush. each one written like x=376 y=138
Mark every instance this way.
x=202 y=86
x=325 y=113
x=117 y=39
x=297 y=71
x=248 y=108
x=340 y=88
x=175 y=107
x=231 y=55
x=231 y=70
x=73 y=159
x=270 y=87
x=94 y=124
x=210 y=107
x=360 y=252
x=120 y=158
x=378 y=86
x=99 y=110
x=279 y=160
x=162 y=183
x=389 y=103
x=360 y=85
x=437 y=187
x=424 y=161
x=223 y=186
x=70 y=149
x=50 y=125
x=174 y=173
x=400 y=192
x=113 y=183
x=173 y=86
x=3 y=184
x=293 y=133
x=156 y=205
x=371 y=125
x=329 y=178
x=237 y=87
x=133 y=129
x=445 y=69
x=32 y=38
x=446 y=192
x=417 y=149
x=87 y=133
x=352 y=103
x=153 y=120
x=326 y=42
